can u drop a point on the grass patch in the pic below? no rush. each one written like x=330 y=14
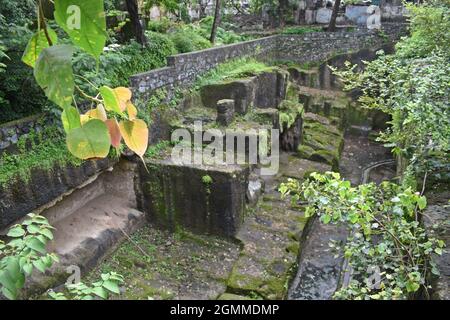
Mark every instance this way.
x=158 y=150
x=41 y=150
x=232 y=70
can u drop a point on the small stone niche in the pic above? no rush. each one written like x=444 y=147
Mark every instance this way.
x=225 y=112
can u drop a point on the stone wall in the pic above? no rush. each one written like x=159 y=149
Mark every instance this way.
x=321 y=46
x=10 y=132
x=183 y=69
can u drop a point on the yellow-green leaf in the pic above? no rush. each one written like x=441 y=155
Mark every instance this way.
x=123 y=93
x=37 y=43
x=135 y=135
x=110 y=99
x=422 y=202
x=131 y=110
x=89 y=141
x=53 y=73
x=97 y=113
x=70 y=119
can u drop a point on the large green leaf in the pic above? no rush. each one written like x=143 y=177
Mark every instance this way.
x=85 y=23
x=111 y=286
x=53 y=72
x=8 y=285
x=36 y=245
x=89 y=141
x=16 y=232
x=37 y=43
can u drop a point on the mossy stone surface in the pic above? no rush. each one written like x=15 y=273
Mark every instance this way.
x=230 y=296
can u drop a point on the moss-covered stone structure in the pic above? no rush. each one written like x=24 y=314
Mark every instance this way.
x=211 y=231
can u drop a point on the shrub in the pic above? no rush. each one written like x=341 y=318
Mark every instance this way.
x=411 y=86
x=161 y=26
x=387 y=249
x=186 y=39
x=140 y=59
x=25 y=252
x=120 y=62
x=20 y=93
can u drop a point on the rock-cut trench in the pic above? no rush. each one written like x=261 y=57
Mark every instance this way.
x=223 y=232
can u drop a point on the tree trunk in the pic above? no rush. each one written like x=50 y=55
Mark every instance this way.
x=332 y=25
x=202 y=9
x=282 y=7
x=139 y=34
x=216 y=21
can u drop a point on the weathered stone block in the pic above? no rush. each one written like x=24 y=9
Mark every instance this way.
x=255 y=189
x=436 y=222
x=310 y=16
x=305 y=100
x=241 y=91
x=204 y=199
x=271 y=89
x=357 y=14
x=265 y=95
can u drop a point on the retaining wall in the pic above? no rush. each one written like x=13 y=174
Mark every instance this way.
x=183 y=69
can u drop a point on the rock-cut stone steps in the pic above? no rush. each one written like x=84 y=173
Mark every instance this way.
x=270 y=237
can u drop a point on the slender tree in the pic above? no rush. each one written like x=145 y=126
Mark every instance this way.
x=132 y=8
x=216 y=22
x=282 y=8
x=332 y=25
x=202 y=5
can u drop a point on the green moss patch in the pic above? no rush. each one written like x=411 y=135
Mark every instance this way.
x=157 y=264
x=42 y=150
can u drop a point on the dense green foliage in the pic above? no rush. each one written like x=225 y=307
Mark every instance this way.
x=101 y=289
x=24 y=253
x=193 y=36
x=119 y=62
x=412 y=86
x=233 y=69
x=186 y=39
x=385 y=234
x=19 y=94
